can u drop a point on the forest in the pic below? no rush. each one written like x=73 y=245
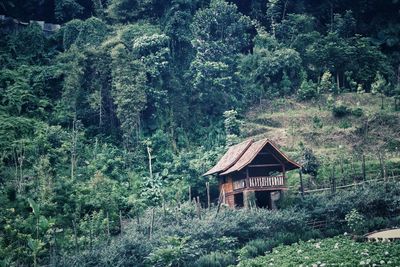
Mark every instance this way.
x=107 y=125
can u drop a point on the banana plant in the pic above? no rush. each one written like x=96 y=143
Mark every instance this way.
x=36 y=245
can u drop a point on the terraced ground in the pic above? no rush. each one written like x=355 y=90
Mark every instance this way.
x=289 y=122
x=367 y=129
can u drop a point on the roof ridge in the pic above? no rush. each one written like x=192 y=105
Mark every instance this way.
x=219 y=169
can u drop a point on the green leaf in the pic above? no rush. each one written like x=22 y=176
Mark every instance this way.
x=34 y=206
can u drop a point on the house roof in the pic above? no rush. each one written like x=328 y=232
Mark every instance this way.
x=248 y=151
x=230 y=157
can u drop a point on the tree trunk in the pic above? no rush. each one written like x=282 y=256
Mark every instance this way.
x=150 y=165
x=338 y=81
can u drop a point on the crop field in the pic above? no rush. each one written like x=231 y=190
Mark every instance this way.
x=336 y=251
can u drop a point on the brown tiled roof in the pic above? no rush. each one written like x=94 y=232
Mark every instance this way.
x=239 y=156
x=230 y=157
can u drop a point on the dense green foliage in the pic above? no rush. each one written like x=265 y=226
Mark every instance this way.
x=176 y=236
x=127 y=105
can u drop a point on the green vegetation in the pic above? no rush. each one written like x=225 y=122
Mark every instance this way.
x=116 y=116
x=331 y=251
x=177 y=236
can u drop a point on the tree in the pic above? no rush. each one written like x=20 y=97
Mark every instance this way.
x=134 y=10
x=379 y=87
x=220 y=33
x=68 y=9
x=326 y=85
x=308 y=90
x=344 y=25
x=271 y=70
x=72 y=65
x=232 y=127
x=129 y=92
x=310 y=163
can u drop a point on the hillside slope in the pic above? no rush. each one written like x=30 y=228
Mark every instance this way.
x=289 y=122
x=337 y=139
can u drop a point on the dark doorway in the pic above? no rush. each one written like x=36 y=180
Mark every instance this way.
x=238 y=200
x=263 y=199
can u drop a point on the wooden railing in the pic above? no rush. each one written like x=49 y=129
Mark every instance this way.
x=269 y=181
x=259 y=182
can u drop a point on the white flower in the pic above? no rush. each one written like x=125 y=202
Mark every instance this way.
x=368 y=261
x=373 y=265
x=299 y=251
x=323 y=265
x=314 y=265
x=362 y=263
x=336 y=245
x=318 y=245
x=389 y=262
x=345 y=233
x=306 y=257
x=271 y=264
x=386 y=253
x=382 y=262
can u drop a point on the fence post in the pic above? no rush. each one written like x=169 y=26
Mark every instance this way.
x=208 y=195
x=382 y=165
x=198 y=207
x=301 y=182
x=353 y=169
x=333 y=179
x=342 y=171
x=363 y=167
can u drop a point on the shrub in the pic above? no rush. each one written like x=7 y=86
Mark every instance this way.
x=376 y=223
x=345 y=124
x=307 y=90
x=317 y=122
x=357 y=112
x=215 y=259
x=256 y=248
x=355 y=221
x=340 y=110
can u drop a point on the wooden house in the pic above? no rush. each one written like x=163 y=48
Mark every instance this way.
x=252 y=173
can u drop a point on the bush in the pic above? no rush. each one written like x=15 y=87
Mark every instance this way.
x=357 y=112
x=317 y=122
x=345 y=124
x=355 y=221
x=377 y=223
x=256 y=248
x=215 y=259
x=180 y=238
x=340 y=110
x=308 y=90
